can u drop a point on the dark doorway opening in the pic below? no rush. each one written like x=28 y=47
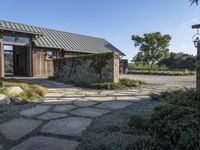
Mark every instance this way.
x=16 y=60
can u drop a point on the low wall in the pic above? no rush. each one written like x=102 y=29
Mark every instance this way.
x=90 y=68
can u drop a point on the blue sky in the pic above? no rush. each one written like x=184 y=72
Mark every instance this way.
x=114 y=20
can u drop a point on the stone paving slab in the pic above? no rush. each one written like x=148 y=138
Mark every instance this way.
x=89 y=112
x=17 y=128
x=144 y=97
x=84 y=103
x=72 y=126
x=114 y=105
x=34 y=111
x=46 y=143
x=100 y=98
x=49 y=116
x=128 y=98
x=64 y=108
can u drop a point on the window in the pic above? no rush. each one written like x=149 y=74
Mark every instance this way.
x=9 y=38
x=49 y=55
x=8 y=48
x=23 y=40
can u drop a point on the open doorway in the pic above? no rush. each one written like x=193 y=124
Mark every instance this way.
x=16 y=60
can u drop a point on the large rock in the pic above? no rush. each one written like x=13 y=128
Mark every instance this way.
x=17 y=100
x=4 y=99
x=46 y=143
x=14 y=90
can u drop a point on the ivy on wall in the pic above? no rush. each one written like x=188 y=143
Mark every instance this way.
x=97 y=63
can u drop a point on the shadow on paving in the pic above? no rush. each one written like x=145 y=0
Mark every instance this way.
x=91 y=124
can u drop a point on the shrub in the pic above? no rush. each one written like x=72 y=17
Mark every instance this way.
x=123 y=83
x=1 y=84
x=31 y=91
x=175 y=125
x=137 y=122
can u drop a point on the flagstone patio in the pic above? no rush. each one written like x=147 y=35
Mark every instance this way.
x=66 y=112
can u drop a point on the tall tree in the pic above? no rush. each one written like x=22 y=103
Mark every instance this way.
x=194 y=2
x=153 y=47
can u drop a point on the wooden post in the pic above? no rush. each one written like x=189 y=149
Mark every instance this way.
x=1 y=59
x=198 y=68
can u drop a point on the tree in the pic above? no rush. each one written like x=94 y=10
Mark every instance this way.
x=153 y=47
x=194 y=2
x=179 y=61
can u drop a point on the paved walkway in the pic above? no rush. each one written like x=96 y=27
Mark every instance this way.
x=58 y=122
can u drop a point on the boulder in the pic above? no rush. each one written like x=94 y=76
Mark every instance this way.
x=17 y=100
x=14 y=90
x=4 y=99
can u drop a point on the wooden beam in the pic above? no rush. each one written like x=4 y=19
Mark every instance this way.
x=1 y=59
x=197 y=26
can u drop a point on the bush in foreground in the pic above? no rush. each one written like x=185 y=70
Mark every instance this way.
x=31 y=91
x=123 y=83
x=175 y=125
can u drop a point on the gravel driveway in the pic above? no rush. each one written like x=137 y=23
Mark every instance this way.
x=184 y=81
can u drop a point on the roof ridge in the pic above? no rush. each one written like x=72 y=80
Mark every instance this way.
x=52 y=29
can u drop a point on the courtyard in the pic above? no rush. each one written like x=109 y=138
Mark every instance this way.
x=79 y=118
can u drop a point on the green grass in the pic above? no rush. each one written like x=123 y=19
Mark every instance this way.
x=123 y=83
x=31 y=91
x=174 y=125
x=166 y=72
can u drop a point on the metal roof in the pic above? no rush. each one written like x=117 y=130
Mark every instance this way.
x=50 y=38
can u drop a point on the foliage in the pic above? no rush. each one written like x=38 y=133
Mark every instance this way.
x=153 y=48
x=137 y=122
x=123 y=83
x=31 y=91
x=157 y=72
x=139 y=66
x=194 y=2
x=175 y=125
x=179 y=61
x=1 y=84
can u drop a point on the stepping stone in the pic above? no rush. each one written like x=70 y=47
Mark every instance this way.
x=64 y=108
x=54 y=95
x=114 y=105
x=127 y=98
x=84 y=103
x=56 y=102
x=89 y=112
x=34 y=111
x=49 y=116
x=72 y=126
x=144 y=97
x=46 y=143
x=100 y=98
x=17 y=128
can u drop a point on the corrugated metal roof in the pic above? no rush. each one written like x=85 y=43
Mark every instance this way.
x=61 y=40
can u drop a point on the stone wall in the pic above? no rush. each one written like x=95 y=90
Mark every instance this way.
x=90 y=68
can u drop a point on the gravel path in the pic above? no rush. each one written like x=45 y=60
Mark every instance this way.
x=184 y=81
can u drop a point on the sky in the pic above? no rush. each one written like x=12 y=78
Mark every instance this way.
x=114 y=20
